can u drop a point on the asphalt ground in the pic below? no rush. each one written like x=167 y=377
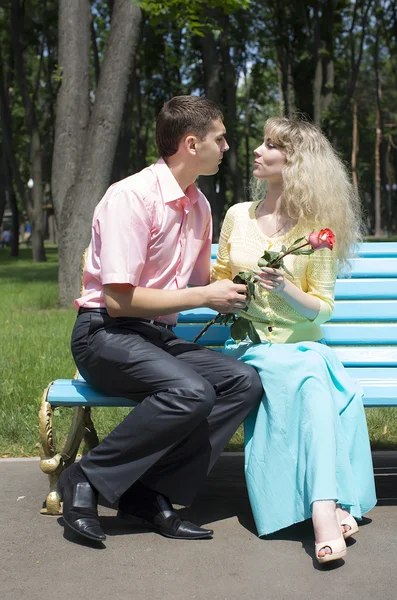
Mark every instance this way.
x=38 y=561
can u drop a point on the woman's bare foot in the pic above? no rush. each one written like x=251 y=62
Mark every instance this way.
x=326 y=524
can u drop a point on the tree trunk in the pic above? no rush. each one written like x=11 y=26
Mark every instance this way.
x=141 y=124
x=212 y=85
x=93 y=174
x=318 y=72
x=284 y=36
x=37 y=213
x=247 y=125
x=10 y=199
x=5 y=120
x=317 y=85
x=122 y=163
x=389 y=175
x=323 y=83
x=230 y=86
x=355 y=146
x=3 y=193
x=72 y=109
x=280 y=91
x=378 y=141
x=365 y=6
x=32 y=126
x=287 y=84
x=14 y=251
x=52 y=229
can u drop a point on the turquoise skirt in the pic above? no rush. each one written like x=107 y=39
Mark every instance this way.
x=308 y=440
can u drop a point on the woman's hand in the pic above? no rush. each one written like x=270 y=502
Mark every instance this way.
x=270 y=279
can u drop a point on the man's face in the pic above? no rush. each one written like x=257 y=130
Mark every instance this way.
x=209 y=151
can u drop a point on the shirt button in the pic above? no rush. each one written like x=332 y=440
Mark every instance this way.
x=270 y=329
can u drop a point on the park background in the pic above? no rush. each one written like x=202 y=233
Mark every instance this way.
x=80 y=85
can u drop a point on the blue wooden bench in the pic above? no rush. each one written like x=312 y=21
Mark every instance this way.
x=362 y=331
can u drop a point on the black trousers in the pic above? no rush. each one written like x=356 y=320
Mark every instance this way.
x=190 y=401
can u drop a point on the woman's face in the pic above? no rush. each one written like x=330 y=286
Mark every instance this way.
x=269 y=161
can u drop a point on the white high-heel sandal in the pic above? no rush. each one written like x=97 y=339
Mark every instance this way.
x=350 y=522
x=338 y=549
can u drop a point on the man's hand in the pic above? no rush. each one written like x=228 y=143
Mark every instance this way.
x=225 y=296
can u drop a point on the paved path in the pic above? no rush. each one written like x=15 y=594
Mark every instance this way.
x=37 y=562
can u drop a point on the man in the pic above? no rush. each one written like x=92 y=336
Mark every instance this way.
x=151 y=237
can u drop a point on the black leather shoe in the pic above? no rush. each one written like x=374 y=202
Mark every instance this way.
x=157 y=512
x=79 y=503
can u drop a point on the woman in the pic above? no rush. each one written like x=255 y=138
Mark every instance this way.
x=307 y=447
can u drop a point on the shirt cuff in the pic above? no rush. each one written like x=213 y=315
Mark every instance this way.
x=120 y=278
x=324 y=314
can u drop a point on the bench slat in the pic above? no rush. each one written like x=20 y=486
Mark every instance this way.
x=334 y=333
x=366 y=289
x=364 y=310
x=371 y=373
x=383 y=249
x=71 y=393
x=371 y=268
x=367 y=356
x=379 y=393
x=360 y=333
x=360 y=356
x=345 y=310
x=366 y=249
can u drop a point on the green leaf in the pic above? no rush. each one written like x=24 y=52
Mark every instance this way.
x=283 y=249
x=280 y=264
x=287 y=271
x=270 y=255
x=267 y=258
x=242 y=277
x=239 y=330
x=262 y=262
x=296 y=242
x=253 y=334
x=251 y=290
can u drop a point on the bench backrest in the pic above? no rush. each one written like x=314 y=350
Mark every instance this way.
x=362 y=331
x=363 y=328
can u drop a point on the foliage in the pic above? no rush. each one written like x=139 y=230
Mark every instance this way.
x=193 y=15
x=273 y=48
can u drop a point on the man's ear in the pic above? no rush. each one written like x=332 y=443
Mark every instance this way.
x=191 y=143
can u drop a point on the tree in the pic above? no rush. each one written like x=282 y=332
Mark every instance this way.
x=85 y=142
x=35 y=203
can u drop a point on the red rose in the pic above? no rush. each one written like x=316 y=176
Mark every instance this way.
x=322 y=239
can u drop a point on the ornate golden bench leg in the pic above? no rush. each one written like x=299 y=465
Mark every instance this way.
x=52 y=462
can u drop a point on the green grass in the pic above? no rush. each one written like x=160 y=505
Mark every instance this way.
x=34 y=350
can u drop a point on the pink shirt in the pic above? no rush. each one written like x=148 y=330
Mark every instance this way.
x=147 y=232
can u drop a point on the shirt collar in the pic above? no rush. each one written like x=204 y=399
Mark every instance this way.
x=170 y=188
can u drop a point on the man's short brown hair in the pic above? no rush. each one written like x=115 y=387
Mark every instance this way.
x=182 y=115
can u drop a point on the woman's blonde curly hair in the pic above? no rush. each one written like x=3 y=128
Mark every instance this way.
x=317 y=185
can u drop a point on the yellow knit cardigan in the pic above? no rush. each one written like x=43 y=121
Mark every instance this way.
x=242 y=243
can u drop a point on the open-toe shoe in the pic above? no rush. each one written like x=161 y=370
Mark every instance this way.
x=350 y=522
x=337 y=547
